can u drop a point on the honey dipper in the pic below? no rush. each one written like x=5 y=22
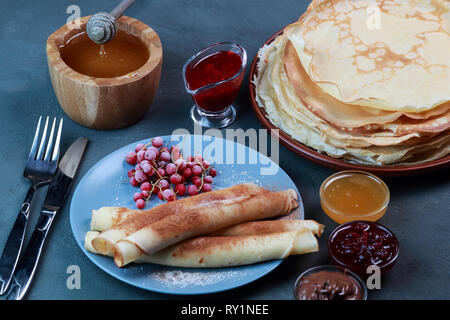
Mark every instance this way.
x=101 y=27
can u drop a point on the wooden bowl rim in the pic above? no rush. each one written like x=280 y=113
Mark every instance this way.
x=323 y=159
x=155 y=49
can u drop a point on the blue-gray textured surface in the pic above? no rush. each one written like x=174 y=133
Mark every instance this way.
x=419 y=209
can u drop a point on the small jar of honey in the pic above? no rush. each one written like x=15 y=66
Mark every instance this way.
x=354 y=195
x=107 y=86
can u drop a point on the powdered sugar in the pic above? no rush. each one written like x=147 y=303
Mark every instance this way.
x=183 y=279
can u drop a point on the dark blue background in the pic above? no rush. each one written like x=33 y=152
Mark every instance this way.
x=419 y=212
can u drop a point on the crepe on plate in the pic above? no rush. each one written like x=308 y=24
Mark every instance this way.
x=216 y=235
x=368 y=95
x=243 y=244
x=112 y=220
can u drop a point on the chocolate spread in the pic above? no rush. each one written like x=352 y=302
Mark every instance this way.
x=329 y=285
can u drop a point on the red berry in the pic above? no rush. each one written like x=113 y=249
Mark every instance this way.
x=141 y=155
x=146 y=186
x=190 y=159
x=168 y=195
x=131 y=173
x=174 y=149
x=197 y=170
x=160 y=195
x=181 y=164
x=150 y=155
x=163 y=184
x=165 y=156
x=140 y=176
x=161 y=164
x=212 y=172
x=187 y=172
x=190 y=164
x=134 y=182
x=145 y=194
x=183 y=179
x=175 y=178
x=131 y=158
x=146 y=167
x=175 y=153
x=155 y=150
x=171 y=169
x=139 y=147
x=206 y=187
x=140 y=204
x=161 y=172
x=137 y=196
x=206 y=164
x=180 y=189
x=197 y=181
x=157 y=142
x=198 y=158
x=138 y=167
x=164 y=149
x=208 y=179
x=192 y=190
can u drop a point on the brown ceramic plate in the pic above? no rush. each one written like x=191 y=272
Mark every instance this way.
x=328 y=161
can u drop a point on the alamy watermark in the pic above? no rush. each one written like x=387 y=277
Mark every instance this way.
x=233 y=150
x=374 y=280
x=74 y=20
x=74 y=279
x=374 y=18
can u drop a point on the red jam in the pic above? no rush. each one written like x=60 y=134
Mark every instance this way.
x=217 y=67
x=359 y=244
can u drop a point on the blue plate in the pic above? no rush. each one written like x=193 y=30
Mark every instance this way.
x=108 y=181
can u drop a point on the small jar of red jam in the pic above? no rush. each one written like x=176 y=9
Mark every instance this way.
x=213 y=77
x=357 y=245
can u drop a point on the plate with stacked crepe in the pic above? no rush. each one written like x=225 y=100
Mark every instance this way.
x=356 y=84
x=214 y=241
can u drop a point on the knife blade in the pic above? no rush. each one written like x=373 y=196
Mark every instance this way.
x=56 y=194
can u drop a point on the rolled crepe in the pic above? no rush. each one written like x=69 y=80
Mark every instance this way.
x=204 y=219
x=131 y=221
x=270 y=226
x=216 y=252
x=243 y=229
x=90 y=235
x=105 y=217
x=228 y=251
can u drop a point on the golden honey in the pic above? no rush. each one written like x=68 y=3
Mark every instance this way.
x=124 y=54
x=354 y=195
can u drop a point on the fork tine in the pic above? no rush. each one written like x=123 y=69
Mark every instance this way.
x=55 y=155
x=50 y=142
x=43 y=141
x=32 y=154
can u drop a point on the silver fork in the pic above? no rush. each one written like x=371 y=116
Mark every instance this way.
x=41 y=165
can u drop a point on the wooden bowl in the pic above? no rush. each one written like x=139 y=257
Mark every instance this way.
x=105 y=103
x=334 y=163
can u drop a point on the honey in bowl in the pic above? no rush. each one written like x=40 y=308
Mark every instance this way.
x=122 y=55
x=354 y=195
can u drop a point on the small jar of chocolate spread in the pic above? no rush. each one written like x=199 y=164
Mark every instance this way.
x=329 y=283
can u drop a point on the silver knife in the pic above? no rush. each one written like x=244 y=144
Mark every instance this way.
x=56 y=194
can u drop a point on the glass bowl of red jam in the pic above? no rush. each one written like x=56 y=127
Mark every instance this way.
x=356 y=245
x=329 y=283
x=213 y=78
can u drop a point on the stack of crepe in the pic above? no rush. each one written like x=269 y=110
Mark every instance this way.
x=366 y=81
x=214 y=229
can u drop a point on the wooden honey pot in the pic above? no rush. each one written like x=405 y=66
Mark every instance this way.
x=105 y=86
